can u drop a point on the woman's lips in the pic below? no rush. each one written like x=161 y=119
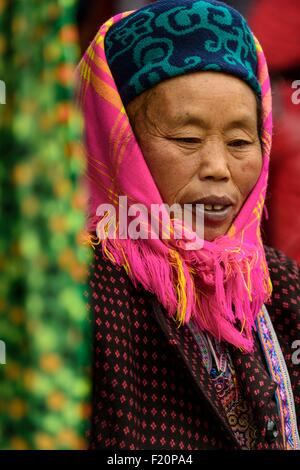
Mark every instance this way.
x=214 y=217
x=217 y=209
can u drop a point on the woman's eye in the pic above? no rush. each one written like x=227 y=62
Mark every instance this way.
x=188 y=140
x=239 y=143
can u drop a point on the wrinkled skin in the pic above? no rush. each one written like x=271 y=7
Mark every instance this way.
x=199 y=136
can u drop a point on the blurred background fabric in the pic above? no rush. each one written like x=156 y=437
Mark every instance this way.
x=45 y=382
x=92 y=13
x=277 y=25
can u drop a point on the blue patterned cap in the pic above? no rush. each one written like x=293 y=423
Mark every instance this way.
x=174 y=37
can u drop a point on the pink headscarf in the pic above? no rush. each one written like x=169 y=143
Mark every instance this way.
x=222 y=285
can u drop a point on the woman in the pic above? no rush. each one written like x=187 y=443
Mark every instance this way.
x=192 y=349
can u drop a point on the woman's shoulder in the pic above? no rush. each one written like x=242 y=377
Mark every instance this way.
x=103 y=268
x=107 y=276
x=278 y=260
x=284 y=307
x=283 y=270
x=117 y=308
x=109 y=284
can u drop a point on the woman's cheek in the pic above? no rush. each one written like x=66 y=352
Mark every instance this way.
x=248 y=174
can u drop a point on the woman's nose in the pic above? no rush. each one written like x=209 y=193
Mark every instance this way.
x=214 y=163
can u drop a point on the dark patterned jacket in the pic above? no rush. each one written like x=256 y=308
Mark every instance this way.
x=151 y=390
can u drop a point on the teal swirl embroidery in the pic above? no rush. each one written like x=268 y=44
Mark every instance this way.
x=215 y=67
x=170 y=38
x=157 y=57
x=184 y=19
x=134 y=27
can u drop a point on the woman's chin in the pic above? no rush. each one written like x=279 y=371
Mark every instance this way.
x=210 y=237
x=212 y=232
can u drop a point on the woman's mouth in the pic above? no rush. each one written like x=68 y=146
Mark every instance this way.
x=217 y=209
x=216 y=213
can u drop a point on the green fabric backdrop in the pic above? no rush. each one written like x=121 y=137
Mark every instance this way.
x=45 y=383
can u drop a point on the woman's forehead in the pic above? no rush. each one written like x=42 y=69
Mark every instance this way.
x=208 y=84
x=190 y=98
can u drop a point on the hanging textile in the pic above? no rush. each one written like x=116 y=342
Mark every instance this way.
x=44 y=382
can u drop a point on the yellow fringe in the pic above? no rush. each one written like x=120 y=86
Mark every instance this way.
x=176 y=262
x=108 y=253
x=249 y=286
x=91 y=240
x=269 y=285
x=243 y=325
x=125 y=265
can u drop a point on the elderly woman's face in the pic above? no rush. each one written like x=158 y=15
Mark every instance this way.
x=199 y=136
